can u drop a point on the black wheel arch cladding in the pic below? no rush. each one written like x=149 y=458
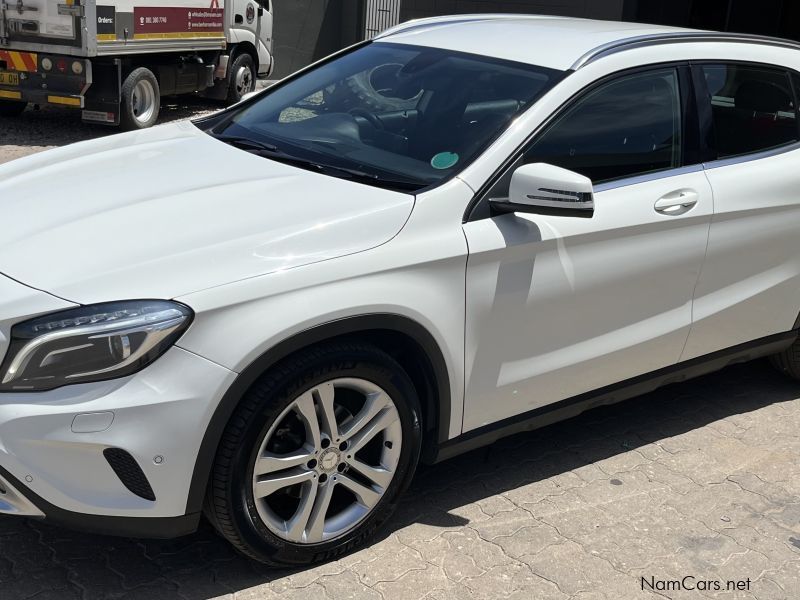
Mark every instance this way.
x=436 y=410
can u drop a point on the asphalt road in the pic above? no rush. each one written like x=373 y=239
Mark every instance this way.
x=696 y=485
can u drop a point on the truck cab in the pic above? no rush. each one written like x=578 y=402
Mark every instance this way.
x=252 y=24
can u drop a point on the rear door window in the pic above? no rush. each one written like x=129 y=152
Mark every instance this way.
x=753 y=108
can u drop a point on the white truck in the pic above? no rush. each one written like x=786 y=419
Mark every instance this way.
x=115 y=59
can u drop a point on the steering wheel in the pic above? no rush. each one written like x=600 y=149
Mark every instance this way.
x=371 y=117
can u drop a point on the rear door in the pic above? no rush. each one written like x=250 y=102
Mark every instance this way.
x=558 y=306
x=750 y=284
x=52 y=22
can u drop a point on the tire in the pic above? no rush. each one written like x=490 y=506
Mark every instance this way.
x=241 y=78
x=360 y=91
x=12 y=108
x=141 y=100
x=788 y=361
x=274 y=528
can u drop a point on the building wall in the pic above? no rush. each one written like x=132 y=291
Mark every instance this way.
x=306 y=30
x=767 y=17
x=595 y=9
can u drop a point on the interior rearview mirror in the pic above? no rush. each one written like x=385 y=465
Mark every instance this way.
x=547 y=190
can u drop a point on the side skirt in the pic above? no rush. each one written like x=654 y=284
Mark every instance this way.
x=643 y=384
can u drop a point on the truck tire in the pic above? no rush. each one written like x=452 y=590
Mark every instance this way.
x=241 y=77
x=141 y=100
x=366 y=90
x=12 y=108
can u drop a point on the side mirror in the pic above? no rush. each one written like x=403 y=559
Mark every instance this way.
x=545 y=189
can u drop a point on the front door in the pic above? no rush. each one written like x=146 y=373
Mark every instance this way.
x=255 y=18
x=558 y=306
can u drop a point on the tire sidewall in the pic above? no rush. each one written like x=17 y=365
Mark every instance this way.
x=128 y=120
x=360 y=86
x=252 y=530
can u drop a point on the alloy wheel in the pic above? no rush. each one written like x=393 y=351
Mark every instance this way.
x=327 y=460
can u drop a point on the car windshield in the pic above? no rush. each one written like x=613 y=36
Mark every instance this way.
x=390 y=115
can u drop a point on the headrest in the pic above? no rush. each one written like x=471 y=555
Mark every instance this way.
x=761 y=96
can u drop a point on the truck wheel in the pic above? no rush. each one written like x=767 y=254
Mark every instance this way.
x=141 y=100
x=242 y=77
x=11 y=108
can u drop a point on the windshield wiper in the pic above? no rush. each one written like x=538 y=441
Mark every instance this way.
x=246 y=143
x=272 y=151
x=372 y=178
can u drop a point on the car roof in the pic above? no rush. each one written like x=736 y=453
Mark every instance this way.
x=551 y=42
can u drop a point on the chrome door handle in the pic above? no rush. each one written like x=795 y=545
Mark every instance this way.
x=677 y=202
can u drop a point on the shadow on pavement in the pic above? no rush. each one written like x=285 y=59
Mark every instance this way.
x=47 y=562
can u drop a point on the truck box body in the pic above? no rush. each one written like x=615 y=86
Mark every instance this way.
x=89 y=28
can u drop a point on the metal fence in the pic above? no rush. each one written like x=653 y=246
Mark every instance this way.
x=380 y=15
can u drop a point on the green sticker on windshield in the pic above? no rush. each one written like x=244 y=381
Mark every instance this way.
x=444 y=160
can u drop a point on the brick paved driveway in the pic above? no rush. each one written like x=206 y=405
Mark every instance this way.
x=699 y=479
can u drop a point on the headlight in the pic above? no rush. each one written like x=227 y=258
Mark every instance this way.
x=90 y=343
x=77 y=67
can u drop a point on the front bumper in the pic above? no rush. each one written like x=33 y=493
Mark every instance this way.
x=52 y=447
x=12 y=502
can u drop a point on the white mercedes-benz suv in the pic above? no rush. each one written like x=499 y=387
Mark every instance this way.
x=465 y=228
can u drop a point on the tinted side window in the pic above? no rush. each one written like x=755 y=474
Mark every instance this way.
x=629 y=126
x=753 y=108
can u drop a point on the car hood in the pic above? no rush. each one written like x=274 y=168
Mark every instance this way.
x=168 y=211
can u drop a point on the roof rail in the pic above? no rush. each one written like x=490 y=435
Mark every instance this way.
x=675 y=37
x=452 y=19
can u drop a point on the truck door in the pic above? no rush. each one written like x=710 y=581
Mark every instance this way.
x=252 y=20
x=40 y=22
x=264 y=36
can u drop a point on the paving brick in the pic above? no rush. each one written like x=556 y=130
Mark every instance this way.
x=391 y=569
x=505 y=580
x=416 y=583
x=346 y=585
x=699 y=479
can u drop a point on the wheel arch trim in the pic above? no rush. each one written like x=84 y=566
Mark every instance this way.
x=303 y=339
x=245 y=46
